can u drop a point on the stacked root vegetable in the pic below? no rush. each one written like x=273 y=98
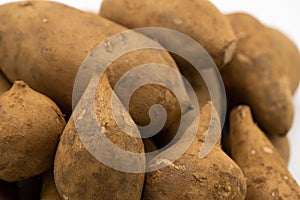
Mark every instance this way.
x=42 y=46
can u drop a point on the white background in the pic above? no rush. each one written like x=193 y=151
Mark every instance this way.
x=283 y=15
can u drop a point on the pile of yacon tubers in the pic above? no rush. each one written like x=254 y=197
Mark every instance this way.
x=42 y=46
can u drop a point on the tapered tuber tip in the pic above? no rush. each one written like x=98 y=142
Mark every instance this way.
x=241 y=114
x=19 y=84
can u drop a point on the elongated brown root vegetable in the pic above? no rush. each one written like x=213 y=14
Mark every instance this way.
x=265 y=170
x=30 y=125
x=290 y=57
x=95 y=180
x=49 y=191
x=254 y=78
x=282 y=146
x=214 y=177
x=280 y=143
x=46 y=42
x=4 y=84
x=198 y=19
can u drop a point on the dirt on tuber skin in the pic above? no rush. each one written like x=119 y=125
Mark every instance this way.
x=280 y=143
x=30 y=126
x=68 y=35
x=198 y=19
x=290 y=56
x=282 y=146
x=44 y=43
x=265 y=170
x=214 y=177
x=254 y=77
x=95 y=180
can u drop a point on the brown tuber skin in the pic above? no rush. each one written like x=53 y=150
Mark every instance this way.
x=214 y=177
x=282 y=146
x=79 y=175
x=149 y=145
x=49 y=191
x=30 y=125
x=265 y=170
x=290 y=57
x=44 y=44
x=4 y=84
x=198 y=19
x=253 y=76
x=280 y=143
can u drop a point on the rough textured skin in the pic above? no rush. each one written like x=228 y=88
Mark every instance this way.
x=30 y=125
x=265 y=170
x=78 y=175
x=214 y=177
x=282 y=146
x=280 y=143
x=49 y=191
x=44 y=44
x=290 y=57
x=195 y=79
x=253 y=76
x=141 y=101
x=198 y=19
x=4 y=84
